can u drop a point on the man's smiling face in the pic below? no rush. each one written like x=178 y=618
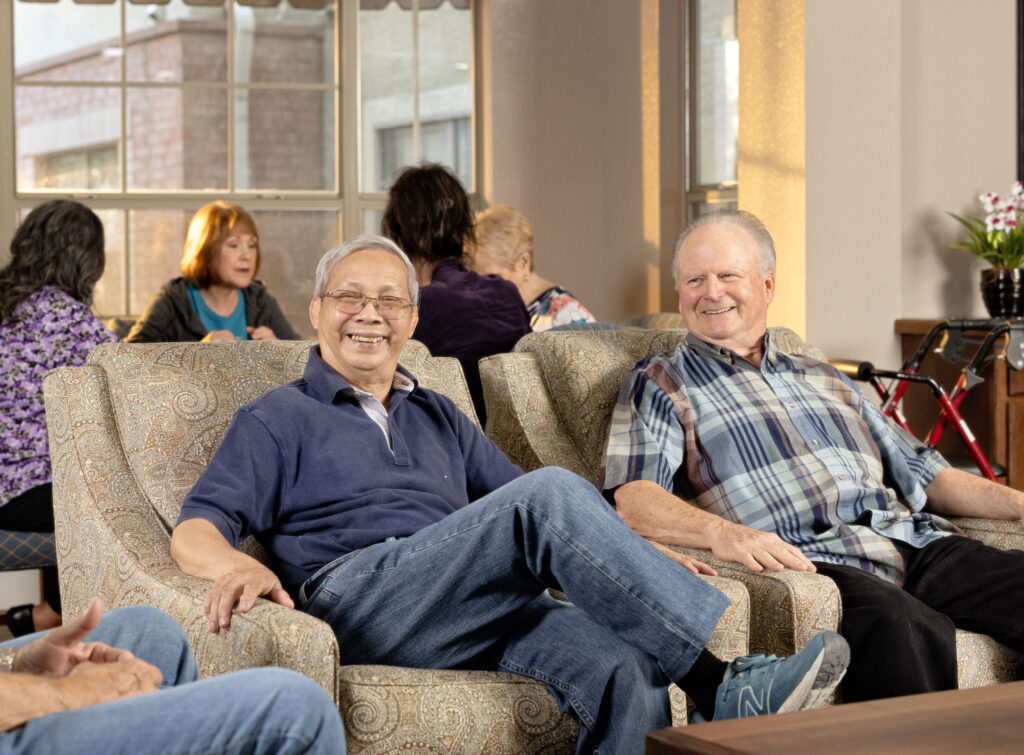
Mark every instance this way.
x=723 y=297
x=364 y=347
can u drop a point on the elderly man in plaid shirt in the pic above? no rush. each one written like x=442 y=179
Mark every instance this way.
x=792 y=467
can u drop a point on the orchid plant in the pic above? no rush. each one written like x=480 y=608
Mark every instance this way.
x=999 y=238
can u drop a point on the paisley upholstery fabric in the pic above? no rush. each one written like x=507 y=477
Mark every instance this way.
x=549 y=403
x=131 y=431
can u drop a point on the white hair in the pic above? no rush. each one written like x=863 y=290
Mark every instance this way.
x=358 y=244
x=740 y=218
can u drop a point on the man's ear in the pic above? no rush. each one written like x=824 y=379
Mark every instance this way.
x=314 y=311
x=414 y=320
x=769 y=286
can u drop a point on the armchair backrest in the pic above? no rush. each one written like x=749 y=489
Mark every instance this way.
x=172 y=402
x=553 y=397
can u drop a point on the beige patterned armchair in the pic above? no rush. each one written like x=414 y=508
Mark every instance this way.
x=130 y=433
x=549 y=403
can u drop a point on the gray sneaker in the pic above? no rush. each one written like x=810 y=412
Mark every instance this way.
x=755 y=685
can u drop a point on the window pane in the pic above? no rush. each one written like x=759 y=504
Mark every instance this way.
x=67 y=137
x=176 y=42
x=695 y=209
x=67 y=41
x=292 y=244
x=446 y=92
x=284 y=139
x=386 y=86
x=156 y=239
x=177 y=139
x=284 y=44
x=717 y=86
x=109 y=297
x=371 y=221
x=388 y=92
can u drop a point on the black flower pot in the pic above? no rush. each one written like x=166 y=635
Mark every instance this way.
x=1002 y=289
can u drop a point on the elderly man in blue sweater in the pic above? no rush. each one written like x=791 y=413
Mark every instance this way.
x=387 y=514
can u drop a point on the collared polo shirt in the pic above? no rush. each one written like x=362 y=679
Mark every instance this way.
x=308 y=472
x=792 y=447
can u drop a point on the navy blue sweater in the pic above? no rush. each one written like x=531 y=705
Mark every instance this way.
x=306 y=471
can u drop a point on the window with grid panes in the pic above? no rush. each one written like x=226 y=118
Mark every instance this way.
x=301 y=111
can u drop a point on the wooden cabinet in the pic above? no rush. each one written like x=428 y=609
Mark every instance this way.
x=994 y=410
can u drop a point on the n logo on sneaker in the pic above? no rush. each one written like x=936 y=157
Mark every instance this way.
x=755 y=704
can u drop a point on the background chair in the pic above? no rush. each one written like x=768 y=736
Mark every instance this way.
x=550 y=402
x=29 y=550
x=130 y=433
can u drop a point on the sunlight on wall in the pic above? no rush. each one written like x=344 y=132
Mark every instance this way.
x=771 y=168
x=651 y=155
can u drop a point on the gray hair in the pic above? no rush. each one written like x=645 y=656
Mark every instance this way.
x=358 y=244
x=740 y=218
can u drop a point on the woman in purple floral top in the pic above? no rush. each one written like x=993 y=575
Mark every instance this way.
x=57 y=255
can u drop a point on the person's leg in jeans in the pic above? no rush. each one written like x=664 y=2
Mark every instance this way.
x=254 y=711
x=452 y=595
x=149 y=633
x=619 y=694
x=265 y=710
x=898 y=645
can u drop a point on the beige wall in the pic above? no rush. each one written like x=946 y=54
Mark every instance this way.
x=566 y=142
x=911 y=111
x=771 y=168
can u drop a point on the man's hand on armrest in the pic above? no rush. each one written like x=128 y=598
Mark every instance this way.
x=200 y=550
x=664 y=518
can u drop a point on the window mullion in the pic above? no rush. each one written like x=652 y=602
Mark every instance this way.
x=349 y=34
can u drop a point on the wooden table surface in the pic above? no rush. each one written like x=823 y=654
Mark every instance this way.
x=983 y=720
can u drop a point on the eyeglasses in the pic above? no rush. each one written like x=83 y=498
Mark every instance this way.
x=353 y=302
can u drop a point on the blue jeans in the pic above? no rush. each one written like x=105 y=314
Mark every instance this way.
x=469 y=593
x=265 y=710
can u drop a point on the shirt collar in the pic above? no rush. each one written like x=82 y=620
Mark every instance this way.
x=722 y=354
x=326 y=385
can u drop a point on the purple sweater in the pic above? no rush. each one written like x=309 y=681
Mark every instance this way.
x=470 y=316
x=49 y=329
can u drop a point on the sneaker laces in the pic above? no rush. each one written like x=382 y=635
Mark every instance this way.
x=747 y=668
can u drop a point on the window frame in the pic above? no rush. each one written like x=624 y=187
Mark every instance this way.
x=345 y=199
x=695 y=193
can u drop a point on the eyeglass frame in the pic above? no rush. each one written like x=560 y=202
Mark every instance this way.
x=405 y=304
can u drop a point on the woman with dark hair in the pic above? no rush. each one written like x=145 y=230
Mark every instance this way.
x=216 y=298
x=46 y=290
x=461 y=314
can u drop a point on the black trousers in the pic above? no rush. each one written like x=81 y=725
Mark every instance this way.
x=902 y=640
x=32 y=511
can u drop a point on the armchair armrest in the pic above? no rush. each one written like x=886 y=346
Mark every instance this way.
x=999 y=533
x=787 y=608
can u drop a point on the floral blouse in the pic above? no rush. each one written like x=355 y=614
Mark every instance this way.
x=49 y=329
x=556 y=306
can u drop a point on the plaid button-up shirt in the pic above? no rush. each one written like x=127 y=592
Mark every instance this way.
x=792 y=448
